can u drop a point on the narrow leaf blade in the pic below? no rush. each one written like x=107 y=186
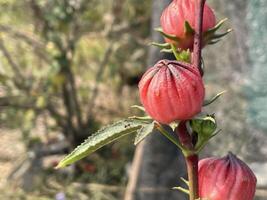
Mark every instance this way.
x=101 y=138
x=210 y=101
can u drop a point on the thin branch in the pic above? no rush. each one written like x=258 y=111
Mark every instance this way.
x=22 y=35
x=12 y=101
x=73 y=88
x=59 y=118
x=38 y=46
x=98 y=79
x=14 y=66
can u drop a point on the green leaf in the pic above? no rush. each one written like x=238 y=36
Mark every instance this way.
x=144 y=132
x=101 y=138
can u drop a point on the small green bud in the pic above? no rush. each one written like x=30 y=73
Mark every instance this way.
x=205 y=127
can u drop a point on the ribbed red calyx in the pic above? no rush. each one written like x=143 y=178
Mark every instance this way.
x=176 y=14
x=171 y=91
x=226 y=178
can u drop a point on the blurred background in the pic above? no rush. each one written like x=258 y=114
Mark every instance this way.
x=68 y=67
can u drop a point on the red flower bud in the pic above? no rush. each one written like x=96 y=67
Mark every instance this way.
x=226 y=178
x=176 y=14
x=172 y=90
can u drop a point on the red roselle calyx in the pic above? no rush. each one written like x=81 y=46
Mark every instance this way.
x=226 y=178
x=176 y=14
x=171 y=91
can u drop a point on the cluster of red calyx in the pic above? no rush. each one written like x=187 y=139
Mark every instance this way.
x=174 y=91
x=226 y=178
x=175 y=16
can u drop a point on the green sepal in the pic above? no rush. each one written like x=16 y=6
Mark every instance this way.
x=213 y=39
x=210 y=36
x=171 y=37
x=217 y=36
x=188 y=29
x=185 y=181
x=144 y=118
x=166 y=51
x=185 y=56
x=160 y=45
x=139 y=107
x=143 y=132
x=101 y=138
x=216 y=27
x=213 y=99
x=181 y=189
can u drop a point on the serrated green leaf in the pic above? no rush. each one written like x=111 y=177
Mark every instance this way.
x=144 y=132
x=101 y=138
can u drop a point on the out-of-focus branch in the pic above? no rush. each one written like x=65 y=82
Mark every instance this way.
x=31 y=40
x=22 y=103
x=117 y=29
x=59 y=118
x=34 y=42
x=15 y=68
x=19 y=81
x=72 y=81
x=12 y=102
x=98 y=79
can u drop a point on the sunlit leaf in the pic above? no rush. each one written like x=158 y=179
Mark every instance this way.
x=101 y=138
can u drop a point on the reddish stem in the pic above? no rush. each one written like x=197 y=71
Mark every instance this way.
x=184 y=136
x=192 y=170
x=185 y=139
x=199 y=9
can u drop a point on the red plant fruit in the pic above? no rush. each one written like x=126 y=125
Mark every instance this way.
x=176 y=14
x=226 y=178
x=172 y=90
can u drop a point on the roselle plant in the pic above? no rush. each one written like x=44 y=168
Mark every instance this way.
x=172 y=94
